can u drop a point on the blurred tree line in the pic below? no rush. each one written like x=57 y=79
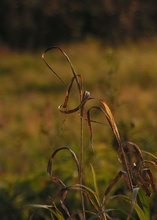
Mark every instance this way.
x=32 y=24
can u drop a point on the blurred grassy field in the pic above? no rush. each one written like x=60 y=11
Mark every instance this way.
x=31 y=125
x=30 y=94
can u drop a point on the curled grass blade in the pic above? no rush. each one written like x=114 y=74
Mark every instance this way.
x=147 y=177
x=138 y=152
x=85 y=98
x=152 y=181
x=69 y=88
x=109 y=116
x=49 y=166
x=68 y=60
x=88 y=191
x=122 y=157
x=111 y=121
x=89 y=194
x=113 y=182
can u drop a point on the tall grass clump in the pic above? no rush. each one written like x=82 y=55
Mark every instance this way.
x=82 y=201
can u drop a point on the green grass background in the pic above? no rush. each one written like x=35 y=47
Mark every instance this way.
x=31 y=127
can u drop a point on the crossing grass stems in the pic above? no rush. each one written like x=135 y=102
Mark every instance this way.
x=136 y=171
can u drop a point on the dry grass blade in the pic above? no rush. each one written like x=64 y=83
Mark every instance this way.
x=138 y=173
x=68 y=60
x=126 y=160
x=62 y=194
x=89 y=194
x=63 y=197
x=85 y=97
x=69 y=89
x=146 y=176
x=111 y=121
x=143 y=176
x=153 y=163
x=43 y=57
x=109 y=116
x=138 y=152
x=114 y=181
x=152 y=181
x=49 y=166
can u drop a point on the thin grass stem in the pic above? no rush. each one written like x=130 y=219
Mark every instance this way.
x=81 y=156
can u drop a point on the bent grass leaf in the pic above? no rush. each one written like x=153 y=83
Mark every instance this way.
x=120 y=174
x=69 y=89
x=111 y=121
x=88 y=191
x=109 y=116
x=152 y=181
x=63 y=197
x=153 y=163
x=49 y=166
x=123 y=158
x=147 y=177
x=85 y=98
x=68 y=60
x=138 y=152
x=89 y=194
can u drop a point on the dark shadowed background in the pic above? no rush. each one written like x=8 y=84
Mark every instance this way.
x=35 y=24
